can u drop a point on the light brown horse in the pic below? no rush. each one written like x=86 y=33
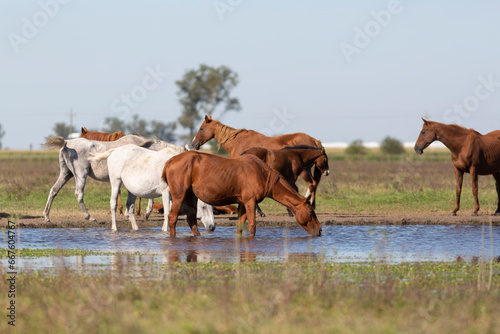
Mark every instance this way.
x=236 y=141
x=471 y=152
x=291 y=161
x=101 y=136
x=245 y=180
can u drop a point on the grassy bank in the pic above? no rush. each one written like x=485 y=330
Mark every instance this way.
x=370 y=184
x=295 y=297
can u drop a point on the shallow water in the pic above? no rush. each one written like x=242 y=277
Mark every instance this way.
x=338 y=243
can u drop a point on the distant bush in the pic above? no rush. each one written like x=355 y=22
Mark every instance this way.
x=392 y=146
x=356 y=147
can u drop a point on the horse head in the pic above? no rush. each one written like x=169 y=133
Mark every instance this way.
x=205 y=133
x=322 y=163
x=426 y=137
x=306 y=217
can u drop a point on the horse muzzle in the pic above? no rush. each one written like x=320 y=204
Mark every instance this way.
x=419 y=150
x=317 y=233
x=196 y=145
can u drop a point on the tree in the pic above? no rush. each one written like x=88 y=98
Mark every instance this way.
x=2 y=133
x=356 y=147
x=62 y=129
x=141 y=127
x=392 y=146
x=202 y=92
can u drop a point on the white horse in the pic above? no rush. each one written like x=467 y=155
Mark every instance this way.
x=140 y=170
x=73 y=162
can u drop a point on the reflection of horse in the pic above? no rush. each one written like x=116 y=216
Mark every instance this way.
x=471 y=152
x=73 y=162
x=101 y=136
x=245 y=180
x=140 y=170
x=291 y=161
x=236 y=141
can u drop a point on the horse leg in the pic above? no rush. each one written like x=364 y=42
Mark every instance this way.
x=294 y=186
x=79 y=192
x=459 y=176
x=242 y=216
x=191 y=202
x=138 y=209
x=497 y=184
x=475 y=190
x=64 y=176
x=316 y=179
x=250 y=209
x=261 y=213
x=311 y=186
x=130 y=208
x=149 y=209
x=115 y=194
x=166 y=208
x=174 y=212
x=120 y=206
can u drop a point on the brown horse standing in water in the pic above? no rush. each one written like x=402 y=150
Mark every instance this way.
x=245 y=180
x=236 y=141
x=291 y=161
x=471 y=152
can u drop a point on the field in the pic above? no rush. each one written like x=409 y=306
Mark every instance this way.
x=298 y=296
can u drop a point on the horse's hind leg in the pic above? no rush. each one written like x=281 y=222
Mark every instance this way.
x=149 y=209
x=79 y=192
x=138 y=209
x=191 y=202
x=497 y=184
x=250 y=209
x=459 y=176
x=130 y=208
x=242 y=216
x=475 y=190
x=115 y=193
x=64 y=176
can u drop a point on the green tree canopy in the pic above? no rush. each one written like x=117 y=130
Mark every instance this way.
x=356 y=147
x=62 y=129
x=392 y=146
x=205 y=91
x=141 y=127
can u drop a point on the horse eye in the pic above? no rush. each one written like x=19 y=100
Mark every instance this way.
x=423 y=132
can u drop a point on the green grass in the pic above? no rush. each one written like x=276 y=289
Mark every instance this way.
x=294 y=297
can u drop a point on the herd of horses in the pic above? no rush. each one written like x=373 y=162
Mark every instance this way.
x=196 y=184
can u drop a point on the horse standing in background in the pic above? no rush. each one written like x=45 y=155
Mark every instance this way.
x=291 y=161
x=245 y=180
x=236 y=141
x=101 y=136
x=471 y=152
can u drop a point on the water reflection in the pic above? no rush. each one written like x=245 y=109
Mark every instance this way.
x=338 y=243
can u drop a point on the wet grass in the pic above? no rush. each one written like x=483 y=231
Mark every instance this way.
x=293 y=297
x=30 y=253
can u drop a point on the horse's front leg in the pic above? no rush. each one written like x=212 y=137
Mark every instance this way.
x=459 y=176
x=149 y=209
x=79 y=192
x=497 y=184
x=311 y=185
x=475 y=190
x=250 y=209
x=242 y=216
x=138 y=209
x=191 y=202
x=115 y=193
x=130 y=208
x=166 y=208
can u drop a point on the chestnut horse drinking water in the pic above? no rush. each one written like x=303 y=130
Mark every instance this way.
x=471 y=152
x=245 y=180
x=236 y=141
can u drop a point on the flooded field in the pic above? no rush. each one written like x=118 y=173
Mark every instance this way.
x=338 y=244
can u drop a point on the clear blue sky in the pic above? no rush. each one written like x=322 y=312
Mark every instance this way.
x=344 y=70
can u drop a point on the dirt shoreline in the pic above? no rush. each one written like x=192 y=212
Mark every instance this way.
x=104 y=220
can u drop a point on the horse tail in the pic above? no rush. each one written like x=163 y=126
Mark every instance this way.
x=55 y=142
x=95 y=156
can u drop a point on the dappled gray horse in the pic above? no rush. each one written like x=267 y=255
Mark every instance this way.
x=139 y=170
x=73 y=162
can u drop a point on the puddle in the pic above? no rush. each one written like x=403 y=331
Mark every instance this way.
x=338 y=243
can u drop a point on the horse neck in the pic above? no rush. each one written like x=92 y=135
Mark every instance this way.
x=225 y=136
x=283 y=193
x=453 y=137
x=309 y=156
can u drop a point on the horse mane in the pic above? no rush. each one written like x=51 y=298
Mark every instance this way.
x=302 y=147
x=101 y=136
x=224 y=133
x=460 y=127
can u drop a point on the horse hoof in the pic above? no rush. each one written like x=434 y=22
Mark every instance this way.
x=453 y=214
x=474 y=214
x=262 y=214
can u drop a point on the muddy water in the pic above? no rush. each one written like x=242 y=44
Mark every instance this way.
x=338 y=243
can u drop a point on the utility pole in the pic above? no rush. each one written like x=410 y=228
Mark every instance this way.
x=71 y=115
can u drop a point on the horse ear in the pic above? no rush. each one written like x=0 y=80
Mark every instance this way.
x=426 y=122
x=84 y=130
x=208 y=118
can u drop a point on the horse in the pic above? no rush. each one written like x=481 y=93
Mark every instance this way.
x=139 y=170
x=245 y=180
x=101 y=136
x=471 y=152
x=290 y=161
x=236 y=141
x=73 y=162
